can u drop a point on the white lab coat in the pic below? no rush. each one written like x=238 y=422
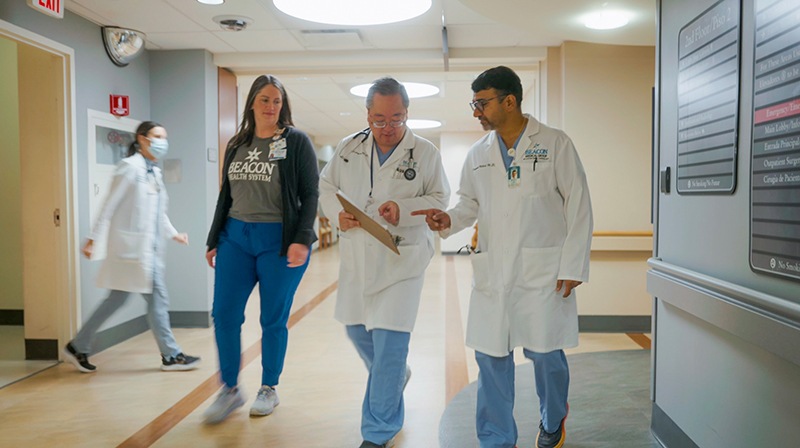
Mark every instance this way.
x=129 y=216
x=378 y=288
x=529 y=237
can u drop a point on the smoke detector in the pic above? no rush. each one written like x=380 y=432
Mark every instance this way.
x=233 y=23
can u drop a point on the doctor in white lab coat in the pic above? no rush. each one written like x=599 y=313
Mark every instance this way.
x=388 y=171
x=525 y=185
x=135 y=216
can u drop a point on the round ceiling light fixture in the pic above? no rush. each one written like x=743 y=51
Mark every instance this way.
x=211 y=2
x=606 y=20
x=423 y=124
x=353 y=12
x=414 y=89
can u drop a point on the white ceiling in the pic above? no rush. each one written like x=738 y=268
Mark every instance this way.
x=481 y=34
x=188 y=24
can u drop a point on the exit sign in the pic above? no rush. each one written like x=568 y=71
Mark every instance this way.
x=54 y=8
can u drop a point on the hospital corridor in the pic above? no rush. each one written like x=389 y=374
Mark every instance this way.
x=399 y=224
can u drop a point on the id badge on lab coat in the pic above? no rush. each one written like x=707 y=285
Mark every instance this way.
x=514 y=177
x=277 y=150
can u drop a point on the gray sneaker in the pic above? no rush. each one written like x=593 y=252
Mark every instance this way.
x=368 y=444
x=265 y=403
x=227 y=401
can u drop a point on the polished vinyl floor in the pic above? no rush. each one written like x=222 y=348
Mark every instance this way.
x=130 y=402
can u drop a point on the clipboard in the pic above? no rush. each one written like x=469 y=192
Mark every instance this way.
x=370 y=225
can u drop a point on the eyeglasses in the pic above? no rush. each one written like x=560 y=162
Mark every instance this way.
x=394 y=124
x=480 y=104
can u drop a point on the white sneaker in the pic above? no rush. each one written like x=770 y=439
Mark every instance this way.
x=265 y=403
x=227 y=401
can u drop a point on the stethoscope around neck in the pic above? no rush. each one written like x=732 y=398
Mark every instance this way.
x=409 y=173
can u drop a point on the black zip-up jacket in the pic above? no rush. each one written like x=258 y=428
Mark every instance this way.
x=299 y=191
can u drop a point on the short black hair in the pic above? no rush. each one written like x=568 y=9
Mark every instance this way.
x=502 y=79
x=387 y=86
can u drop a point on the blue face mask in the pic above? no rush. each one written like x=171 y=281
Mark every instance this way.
x=158 y=147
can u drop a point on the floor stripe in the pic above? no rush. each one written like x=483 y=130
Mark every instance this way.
x=156 y=429
x=456 y=373
x=640 y=339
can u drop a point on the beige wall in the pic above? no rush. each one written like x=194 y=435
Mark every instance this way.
x=607 y=113
x=41 y=107
x=454 y=147
x=601 y=96
x=10 y=194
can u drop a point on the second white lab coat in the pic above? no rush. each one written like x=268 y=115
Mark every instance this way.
x=378 y=288
x=130 y=212
x=529 y=237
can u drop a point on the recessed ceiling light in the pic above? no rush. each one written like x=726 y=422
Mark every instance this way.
x=211 y=2
x=423 y=124
x=606 y=20
x=304 y=78
x=414 y=89
x=344 y=114
x=353 y=12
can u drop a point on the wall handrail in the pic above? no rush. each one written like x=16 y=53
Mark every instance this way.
x=751 y=299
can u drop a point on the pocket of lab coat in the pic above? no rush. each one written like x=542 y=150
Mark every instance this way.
x=128 y=245
x=539 y=182
x=540 y=267
x=346 y=253
x=480 y=271
x=410 y=264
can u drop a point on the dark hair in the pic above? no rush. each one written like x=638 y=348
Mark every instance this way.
x=142 y=130
x=502 y=79
x=248 y=128
x=387 y=86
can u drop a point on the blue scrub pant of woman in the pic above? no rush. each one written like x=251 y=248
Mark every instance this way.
x=495 y=416
x=157 y=317
x=384 y=353
x=249 y=253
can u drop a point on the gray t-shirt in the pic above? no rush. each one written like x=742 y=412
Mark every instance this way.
x=255 y=184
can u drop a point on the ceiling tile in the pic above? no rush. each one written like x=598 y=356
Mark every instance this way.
x=455 y=13
x=88 y=13
x=487 y=35
x=148 y=16
x=204 y=14
x=187 y=41
x=404 y=37
x=260 y=41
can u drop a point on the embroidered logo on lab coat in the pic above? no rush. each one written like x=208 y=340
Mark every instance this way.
x=536 y=153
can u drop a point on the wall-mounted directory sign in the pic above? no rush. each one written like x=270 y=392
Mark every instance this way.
x=775 y=167
x=708 y=101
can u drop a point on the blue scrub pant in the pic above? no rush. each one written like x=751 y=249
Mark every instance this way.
x=495 y=414
x=157 y=317
x=248 y=253
x=384 y=353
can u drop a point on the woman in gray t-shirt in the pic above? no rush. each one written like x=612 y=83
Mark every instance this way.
x=262 y=233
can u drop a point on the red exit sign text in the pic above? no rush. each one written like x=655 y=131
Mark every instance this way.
x=54 y=8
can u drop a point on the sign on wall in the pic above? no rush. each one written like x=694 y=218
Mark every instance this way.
x=54 y=8
x=708 y=101
x=775 y=167
x=120 y=105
